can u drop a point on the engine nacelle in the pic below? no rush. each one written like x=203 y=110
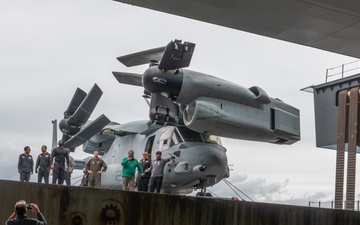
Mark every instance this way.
x=269 y=123
x=67 y=129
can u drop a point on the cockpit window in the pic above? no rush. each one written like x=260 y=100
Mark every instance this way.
x=171 y=136
x=190 y=135
x=211 y=139
x=165 y=138
x=193 y=136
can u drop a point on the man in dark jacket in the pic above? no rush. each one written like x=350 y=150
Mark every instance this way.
x=18 y=217
x=43 y=164
x=143 y=182
x=58 y=157
x=25 y=165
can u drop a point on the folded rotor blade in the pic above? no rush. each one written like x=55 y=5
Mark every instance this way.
x=78 y=97
x=129 y=78
x=142 y=57
x=84 y=111
x=65 y=137
x=177 y=55
x=85 y=134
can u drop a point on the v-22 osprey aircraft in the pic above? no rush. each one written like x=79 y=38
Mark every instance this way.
x=188 y=113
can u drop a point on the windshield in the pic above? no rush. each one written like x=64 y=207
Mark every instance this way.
x=193 y=136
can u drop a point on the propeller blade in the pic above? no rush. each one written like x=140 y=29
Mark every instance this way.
x=129 y=78
x=85 y=134
x=78 y=97
x=83 y=112
x=142 y=57
x=65 y=137
x=177 y=55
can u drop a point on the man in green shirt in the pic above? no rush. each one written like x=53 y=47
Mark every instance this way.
x=129 y=165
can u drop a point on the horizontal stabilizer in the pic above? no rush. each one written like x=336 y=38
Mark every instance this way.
x=129 y=78
x=79 y=164
x=85 y=134
x=142 y=57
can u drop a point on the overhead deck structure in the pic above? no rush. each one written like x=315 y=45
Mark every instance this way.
x=324 y=24
x=326 y=110
x=336 y=119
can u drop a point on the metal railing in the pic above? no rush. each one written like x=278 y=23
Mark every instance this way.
x=343 y=70
x=330 y=205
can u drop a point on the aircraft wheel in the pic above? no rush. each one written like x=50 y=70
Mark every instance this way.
x=199 y=194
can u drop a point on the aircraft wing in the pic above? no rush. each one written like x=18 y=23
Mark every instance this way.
x=324 y=24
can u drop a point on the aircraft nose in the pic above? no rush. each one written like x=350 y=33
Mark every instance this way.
x=213 y=162
x=203 y=162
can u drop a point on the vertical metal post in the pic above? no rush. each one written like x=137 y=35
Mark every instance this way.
x=352 y=141
x=339 y=177
x=342 y=70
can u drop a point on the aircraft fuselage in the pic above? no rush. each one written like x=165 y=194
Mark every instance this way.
x=198 y=159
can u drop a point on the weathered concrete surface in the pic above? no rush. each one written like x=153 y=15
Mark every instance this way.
x=83 y=206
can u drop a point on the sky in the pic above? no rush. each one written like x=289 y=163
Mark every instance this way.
x=49 y=48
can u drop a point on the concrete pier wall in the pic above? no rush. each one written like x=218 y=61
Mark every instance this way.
x=65 y=205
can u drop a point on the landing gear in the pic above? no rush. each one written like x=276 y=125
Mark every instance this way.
x=200 y=194
x=203 y=189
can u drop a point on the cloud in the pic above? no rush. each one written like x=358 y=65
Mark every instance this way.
x=262 y=190
x=9 y=158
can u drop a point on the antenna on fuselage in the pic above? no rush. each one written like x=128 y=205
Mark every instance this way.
x=54 y=134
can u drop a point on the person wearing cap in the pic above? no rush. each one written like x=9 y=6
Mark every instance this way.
x=129 y=165
x=145 y=162
x=25 y=165
x=157 y=172
x=19 y=214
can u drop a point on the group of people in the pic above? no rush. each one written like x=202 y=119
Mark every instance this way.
x=145 y=174
x=150 y=172
x=149 y=175
x=59 y=161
